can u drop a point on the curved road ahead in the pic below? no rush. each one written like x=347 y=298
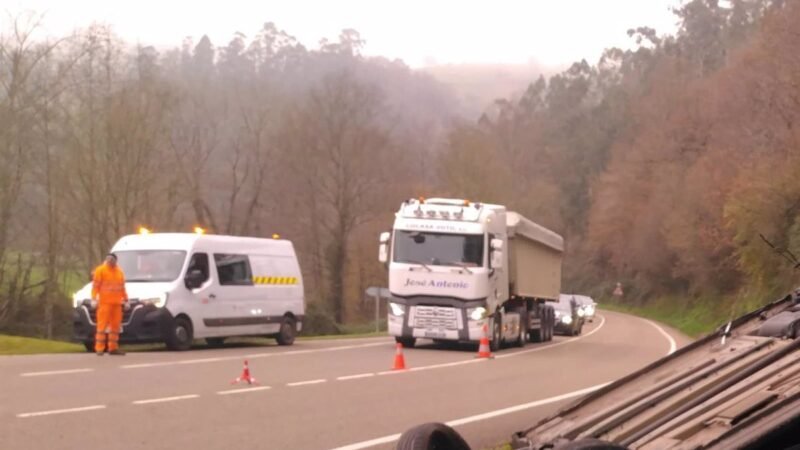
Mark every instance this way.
x=313 y=395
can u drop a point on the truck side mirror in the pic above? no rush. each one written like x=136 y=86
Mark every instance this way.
x=497 y=253
x=383 y=250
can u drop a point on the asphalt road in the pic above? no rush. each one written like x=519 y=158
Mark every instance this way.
x=313 y=395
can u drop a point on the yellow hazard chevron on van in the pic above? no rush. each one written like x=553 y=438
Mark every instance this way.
x=275 y=280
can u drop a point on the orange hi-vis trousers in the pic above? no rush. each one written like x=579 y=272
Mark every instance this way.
x=109 y=320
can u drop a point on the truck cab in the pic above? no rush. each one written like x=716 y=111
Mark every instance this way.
x=451 y=275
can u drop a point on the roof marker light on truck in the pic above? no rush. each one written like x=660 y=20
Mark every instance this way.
x=143 y=230
x=276 y=236
x=199 y=230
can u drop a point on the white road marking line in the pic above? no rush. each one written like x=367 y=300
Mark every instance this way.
x=355 y=377
x=245 y=390
x=250 y=356
x=557 y=344
x=321 y=350
x=517 y=408
x=505 y=355
x=303 y=383
x=142 y=365
x=204 y=360
x=165 y=399
x=672 y=344
x=54 y=372
x=479 y=417
x=61 y=411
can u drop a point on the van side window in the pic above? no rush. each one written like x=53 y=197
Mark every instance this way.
x=233 y=270
x=199 y=262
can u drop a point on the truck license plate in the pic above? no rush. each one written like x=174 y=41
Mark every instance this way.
x=434 y=334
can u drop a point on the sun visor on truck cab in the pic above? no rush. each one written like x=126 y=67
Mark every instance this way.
x=518 y=225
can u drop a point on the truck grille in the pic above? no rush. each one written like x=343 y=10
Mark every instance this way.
x=435 y=317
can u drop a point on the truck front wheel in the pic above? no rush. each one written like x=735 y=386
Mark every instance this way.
x=497 y=336
x=407 y=342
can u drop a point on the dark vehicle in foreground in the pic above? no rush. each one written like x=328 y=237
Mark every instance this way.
x=738 y=387
x=569 y=315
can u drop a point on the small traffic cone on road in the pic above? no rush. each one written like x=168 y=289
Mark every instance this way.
x=245 y=376
x=399 y=359
x=484 y=351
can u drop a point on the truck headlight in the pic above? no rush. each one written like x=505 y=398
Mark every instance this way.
x=158 y=302
x=581 y=312
x=397 y=309
x=590 y=310
x=566 y=320
x=477 y=313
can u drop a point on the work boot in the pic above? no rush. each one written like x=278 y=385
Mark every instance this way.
x=117 y=352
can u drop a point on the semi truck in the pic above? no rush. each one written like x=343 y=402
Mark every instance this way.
x=458 y=269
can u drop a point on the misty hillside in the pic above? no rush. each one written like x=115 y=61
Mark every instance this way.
x=478 y=85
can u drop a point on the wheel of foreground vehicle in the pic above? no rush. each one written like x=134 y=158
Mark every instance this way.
x=408 y=342
x=215 y=342
x=181 y=335
x=287 y=333
x=431 y=436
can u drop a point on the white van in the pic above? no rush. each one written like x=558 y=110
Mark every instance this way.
x=184 y=286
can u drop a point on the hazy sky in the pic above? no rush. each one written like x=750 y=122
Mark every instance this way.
x=553 y=32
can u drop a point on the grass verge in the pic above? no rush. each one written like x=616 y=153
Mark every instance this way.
x=17 y=345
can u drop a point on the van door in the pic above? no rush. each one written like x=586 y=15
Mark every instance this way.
x=202 y=303
x=237 y=314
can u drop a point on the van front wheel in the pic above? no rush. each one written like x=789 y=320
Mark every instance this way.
x=181 y=335
x=287 y=333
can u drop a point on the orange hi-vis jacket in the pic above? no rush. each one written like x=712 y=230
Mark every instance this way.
x=109 y=285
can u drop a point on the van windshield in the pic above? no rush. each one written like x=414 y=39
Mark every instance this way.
x=151 y=265
x=438 y=248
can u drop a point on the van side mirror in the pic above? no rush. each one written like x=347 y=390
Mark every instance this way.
x=383 y=249
x=497 y=253
x=194 y=279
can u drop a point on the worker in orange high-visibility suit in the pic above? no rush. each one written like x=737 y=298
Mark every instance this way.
x=108 y=290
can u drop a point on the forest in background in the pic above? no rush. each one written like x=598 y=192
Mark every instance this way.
x=660 y=165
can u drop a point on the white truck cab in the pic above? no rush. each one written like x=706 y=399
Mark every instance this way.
x=456 y=266
x=184 y=286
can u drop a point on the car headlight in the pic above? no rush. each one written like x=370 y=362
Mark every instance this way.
x=477 y=313
x=566 y=320
x=77 y=300
x=581 y=312
x=590 y=310
x=158 y=302
x=397 y=309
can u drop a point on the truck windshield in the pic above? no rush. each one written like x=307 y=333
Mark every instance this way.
x=151 y=265
x=440 y=249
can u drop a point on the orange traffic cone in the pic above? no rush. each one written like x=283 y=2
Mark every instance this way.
x=245 y=376
x=399 y=359
x=484 y=351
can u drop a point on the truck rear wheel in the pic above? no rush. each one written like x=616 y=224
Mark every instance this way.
x=549 y=324
x=537 y=335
